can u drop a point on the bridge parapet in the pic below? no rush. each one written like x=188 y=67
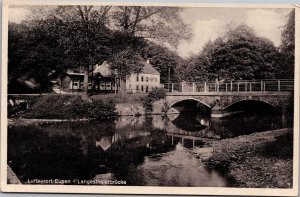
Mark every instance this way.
x=233 y=86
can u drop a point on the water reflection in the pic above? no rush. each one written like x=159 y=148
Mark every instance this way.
x=217 y=128
x=140 y=150
x=178 y=168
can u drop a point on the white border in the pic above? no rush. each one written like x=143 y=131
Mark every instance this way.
x=143 y=189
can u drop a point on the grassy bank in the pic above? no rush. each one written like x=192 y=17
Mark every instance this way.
x=65 y=107
x=58 y=106
x=259 y=160
x=121 y=97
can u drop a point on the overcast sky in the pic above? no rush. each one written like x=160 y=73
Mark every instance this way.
x=210 y=23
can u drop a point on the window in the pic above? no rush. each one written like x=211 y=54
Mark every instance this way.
x=129 y=86
x=137 y=77
x=147 y=79
x=146 y=88
x=142 y=88
x=137 y=88
x=102 y=86
x=75 y=85
x=142 y=79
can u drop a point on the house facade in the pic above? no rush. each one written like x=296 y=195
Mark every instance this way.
x=106 y=80
x=73 y=82
x=145 y=81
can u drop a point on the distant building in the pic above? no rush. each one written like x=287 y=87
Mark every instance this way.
x=106 y=80
x=145 y=81
x=73 y=81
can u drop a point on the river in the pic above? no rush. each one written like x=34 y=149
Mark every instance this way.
x=151 y=151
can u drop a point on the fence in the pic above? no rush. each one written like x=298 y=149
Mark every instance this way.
x=233 y=86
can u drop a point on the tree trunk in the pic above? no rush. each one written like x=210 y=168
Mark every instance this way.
x=84 y=95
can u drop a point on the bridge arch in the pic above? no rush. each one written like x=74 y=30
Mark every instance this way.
x=190 y=99
x=252 y=101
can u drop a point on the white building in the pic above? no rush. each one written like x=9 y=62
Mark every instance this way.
x=144 y=81
x=105 y=80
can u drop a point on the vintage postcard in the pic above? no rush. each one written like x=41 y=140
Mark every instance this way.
x=150 y=98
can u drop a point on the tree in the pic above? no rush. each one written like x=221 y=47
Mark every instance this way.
x=28 y=56
x=140 y=28
x=198 y=66
x=127 y=62
x=240 y=54
x=162 y=60
x=287 y=48
x=82 y=35
x=162 y=24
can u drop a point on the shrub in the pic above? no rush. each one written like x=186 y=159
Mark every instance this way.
x=121 y=97
x=69 y=106
x=148 y=104
x=97 y=109
x=155 y=95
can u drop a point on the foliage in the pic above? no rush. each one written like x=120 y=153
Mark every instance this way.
x=127 y=62
x=162 y=60
x=148 y=104
x=240 y=54
x=63 y=37
x=29 y=50
x=121 y=97
x=82 y=34
x=287 y=48
x=97 y=109
x=162 y=24
x=69 y=106
x=155 y=95
x=41 y=45
x=198 y=66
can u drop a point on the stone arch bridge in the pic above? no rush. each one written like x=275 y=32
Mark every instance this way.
x=219 y=102
x=218 y=96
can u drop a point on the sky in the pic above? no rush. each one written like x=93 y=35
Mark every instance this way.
x=211 y=23
x=18 y=14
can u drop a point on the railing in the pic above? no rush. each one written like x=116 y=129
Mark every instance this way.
x=270 y=85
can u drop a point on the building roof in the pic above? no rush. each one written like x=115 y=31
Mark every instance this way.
x=149 y=69
x=71 y=72
x=105 y=71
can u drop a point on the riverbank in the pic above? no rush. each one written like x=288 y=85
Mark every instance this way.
x=258 y=160
x=20 y=122
x=72 y=107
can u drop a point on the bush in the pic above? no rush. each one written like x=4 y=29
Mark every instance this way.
x=97 y=109
x=121 y=97
x=155 y=95
x=69 y=106
x=148 y=104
